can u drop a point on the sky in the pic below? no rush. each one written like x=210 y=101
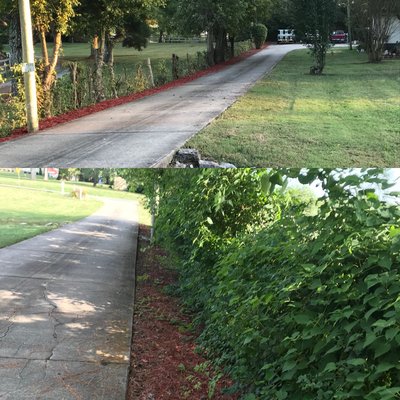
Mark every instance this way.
x=393 y=174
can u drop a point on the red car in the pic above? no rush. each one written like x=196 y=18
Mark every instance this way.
x=338 y=37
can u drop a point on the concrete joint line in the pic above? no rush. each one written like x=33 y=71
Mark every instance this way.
x=101 y=362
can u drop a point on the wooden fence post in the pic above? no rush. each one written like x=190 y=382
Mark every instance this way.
x=175 y=66
x=150 y=72
x=74 y=78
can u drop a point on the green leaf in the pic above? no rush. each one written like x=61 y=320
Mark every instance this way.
x=265 y=184
x=288 y=365
x=381 y=348
x=248 y=339
x=281 y=394
x=383 y=367
x=370 y=338
x=355 y=377
x=331 y=366
x=356 y=361
x=391 y=333
x=394 y=231
x=276 y=179
x=303 y=319
x=370 y=312
x=385 y=262
x=384 y=323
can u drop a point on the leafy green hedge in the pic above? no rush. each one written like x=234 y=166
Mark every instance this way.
x=297 y=299
x=309 y=307
x=260 y=32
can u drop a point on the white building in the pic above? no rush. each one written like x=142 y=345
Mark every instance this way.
x=394 y=35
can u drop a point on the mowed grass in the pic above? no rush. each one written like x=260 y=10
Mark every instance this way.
x=25 y=213
x=124 y=55
x=348 y=117
x=24 y=181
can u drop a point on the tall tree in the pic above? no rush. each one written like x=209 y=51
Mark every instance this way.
x=51 y=17
x=217 y=18
x=108 y=21
x=9 y=19
x=314 y=21
x=373 y=22
x=165 y=17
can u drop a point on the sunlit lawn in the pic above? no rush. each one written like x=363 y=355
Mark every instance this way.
x=24 y=181
x=348 y=117
x=25 y=213
x=154 y=51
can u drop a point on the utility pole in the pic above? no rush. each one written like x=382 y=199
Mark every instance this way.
x=349 y=25
x=28 y=66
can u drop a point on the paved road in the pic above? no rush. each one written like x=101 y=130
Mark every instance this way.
x=66 y=304
x=142 y=133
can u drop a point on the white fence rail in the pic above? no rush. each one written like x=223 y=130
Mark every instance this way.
x=176 y=39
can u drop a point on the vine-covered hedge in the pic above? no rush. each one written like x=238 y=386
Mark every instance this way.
x=297 y=299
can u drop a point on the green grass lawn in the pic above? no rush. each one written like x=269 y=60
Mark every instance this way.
x=25 y=213
x=350 y=116
x=123 y=55
x=53 y=185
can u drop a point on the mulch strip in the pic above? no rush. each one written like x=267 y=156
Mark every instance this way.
x=82 y=112
x=163 y=357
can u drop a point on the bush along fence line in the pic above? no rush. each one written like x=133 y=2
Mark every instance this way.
x=296 y=297
x=78 y=86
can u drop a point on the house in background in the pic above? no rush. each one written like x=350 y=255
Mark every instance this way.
x=394 y=35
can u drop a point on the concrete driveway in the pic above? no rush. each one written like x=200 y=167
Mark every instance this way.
x=66 y=306
x=142 y=133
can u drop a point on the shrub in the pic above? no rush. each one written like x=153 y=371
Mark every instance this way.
x=293 y=304
x=141 y=81
x=260 y=33
x=308 y=308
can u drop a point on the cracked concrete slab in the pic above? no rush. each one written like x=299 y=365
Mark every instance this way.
x=66 y=306
x=142 y=133
x=48 y=380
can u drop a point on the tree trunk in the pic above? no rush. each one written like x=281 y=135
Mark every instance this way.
x=94 y=45
x=210 y=48
x=220 y=46
x=109 y=60
x=50 y=70
x=109 y=49
x=232 y=41
x=15 y=43
x=161 y=36
x=99 y=65
x=14 y=40
x=45 y=52
x=49 y=75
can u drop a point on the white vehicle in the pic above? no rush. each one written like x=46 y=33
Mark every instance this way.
x=286 y=36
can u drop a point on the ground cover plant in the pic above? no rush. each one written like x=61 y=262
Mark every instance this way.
x=297 y=297
x=348 y=116
x=26 y=213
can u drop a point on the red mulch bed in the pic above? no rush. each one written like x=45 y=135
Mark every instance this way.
x=75 y=114
x=163 y=355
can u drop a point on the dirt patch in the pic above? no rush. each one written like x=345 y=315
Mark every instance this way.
x=75 y=114
x=164 y=364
